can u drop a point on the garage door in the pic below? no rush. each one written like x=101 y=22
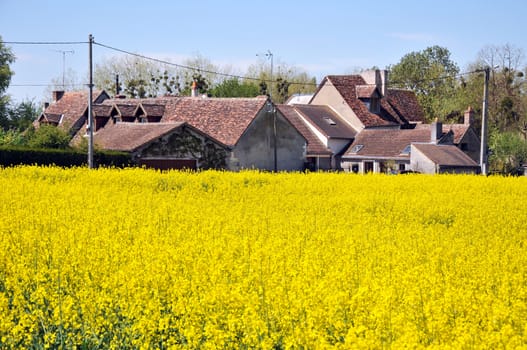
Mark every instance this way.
x=165 y=164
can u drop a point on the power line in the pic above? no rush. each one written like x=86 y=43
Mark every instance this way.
x=390 y=83
x=44 y=42
x=179 y=65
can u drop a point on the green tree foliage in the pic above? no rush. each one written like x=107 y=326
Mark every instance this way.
x=509 y=152
x=48 y=136
x=20 y=116
x=431 y=74
x=235 y=88
x=6 y=58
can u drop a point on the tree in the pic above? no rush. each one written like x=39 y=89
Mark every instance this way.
x=431 y=74
x=21 y=115
x=234 y=88
x=509 y=151
x=6 y=58
x=286 y=80
x=48 y=136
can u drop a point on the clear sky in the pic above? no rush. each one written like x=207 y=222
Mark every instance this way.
x=323 y=37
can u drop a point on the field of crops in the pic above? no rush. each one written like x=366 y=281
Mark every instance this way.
x=140 y=259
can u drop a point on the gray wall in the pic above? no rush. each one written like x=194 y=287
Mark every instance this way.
x=255 y=149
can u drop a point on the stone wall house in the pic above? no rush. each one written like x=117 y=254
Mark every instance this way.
x=192 y=132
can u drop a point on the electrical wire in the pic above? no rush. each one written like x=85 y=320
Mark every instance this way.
x=235 y=76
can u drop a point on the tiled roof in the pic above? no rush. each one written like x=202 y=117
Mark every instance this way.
x=386 y=142
x=73 y=105
x=446 y=155
x=153 y=110
x=405 y=104
x=346 y=86
x=127 y=110
x=366 y=91
x=397 y=107
x=100 y=110
x=459 y=131
x=225 y=119
x=326 y=121
x=314 y=145
x=130 y=136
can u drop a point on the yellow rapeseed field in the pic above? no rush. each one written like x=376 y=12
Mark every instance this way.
x=136 y=258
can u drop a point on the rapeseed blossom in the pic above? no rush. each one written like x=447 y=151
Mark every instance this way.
x=134 y=258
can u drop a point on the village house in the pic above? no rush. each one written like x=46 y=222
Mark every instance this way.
x=353 y=123
x=360 y=125
x=185 y=132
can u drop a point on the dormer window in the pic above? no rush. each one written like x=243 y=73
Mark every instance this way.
x=329 y=121
x=370 y=96
x=375 y=105
x=355 y=149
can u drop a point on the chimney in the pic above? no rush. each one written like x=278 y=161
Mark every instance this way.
x=377 y=77
x=57 y=95
x=194 y=90
x=384 y=82
x=436 y=131
x=46 y=105
x=469 y=116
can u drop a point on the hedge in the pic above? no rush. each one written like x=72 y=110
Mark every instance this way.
x=10 y=156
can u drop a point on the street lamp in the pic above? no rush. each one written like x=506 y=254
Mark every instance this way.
x=270 y=56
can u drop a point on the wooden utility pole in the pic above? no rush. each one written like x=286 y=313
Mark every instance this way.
x=483 y=156
x=90 y=101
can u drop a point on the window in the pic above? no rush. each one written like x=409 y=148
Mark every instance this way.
x=406 y=150
x=356 y=148
x=329 y=121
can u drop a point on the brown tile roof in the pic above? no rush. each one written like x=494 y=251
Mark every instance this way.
x=459 y=131
x=327 y=121
x=100 y=110
x=225 y=119
x=346 y=86
x=386 y=143
x=153 y=110
x=127 y=110
x=398 y=107
x=405 y=104
x=73 y=105
x=446 y=155
x=130 y=136
x=314 y=145
x=366 y=91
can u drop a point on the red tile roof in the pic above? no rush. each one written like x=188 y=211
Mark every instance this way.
x=128 y=137
x=445 y=155
x=405 y=104
x=73 y=105
x=397 y=107
x=387 y=143
x=314 y=145
x=225 y=119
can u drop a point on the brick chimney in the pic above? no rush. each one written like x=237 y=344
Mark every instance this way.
x=436 y=131
x=57 y=95
x=469 y=116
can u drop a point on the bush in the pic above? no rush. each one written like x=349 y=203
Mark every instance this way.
x=10 y=156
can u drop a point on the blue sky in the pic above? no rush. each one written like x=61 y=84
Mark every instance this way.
x=322 y=37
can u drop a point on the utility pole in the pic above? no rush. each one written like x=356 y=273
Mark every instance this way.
x=483 y=156
x=90 y=101
x=272 y=110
